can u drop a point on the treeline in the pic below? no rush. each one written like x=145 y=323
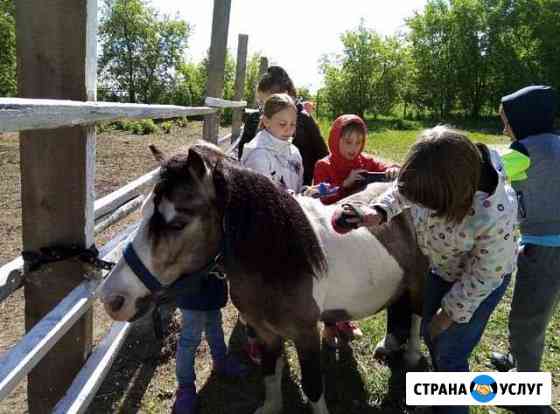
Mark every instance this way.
x=457 y=57
x=141 y=57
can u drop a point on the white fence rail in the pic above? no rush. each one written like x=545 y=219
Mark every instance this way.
x=20 y=360
x=17 y=114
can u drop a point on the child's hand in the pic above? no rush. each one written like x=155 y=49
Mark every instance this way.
x=348 y=217
x=353 y=178
x=312 y=191
x=372 y=218
x=392 y=173
x=439 y=323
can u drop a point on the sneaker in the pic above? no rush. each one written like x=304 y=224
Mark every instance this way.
x=330 y=336
x=349 y=330
x=502 y=362
x=254 y=351
x=186 y=400
x=230 y=367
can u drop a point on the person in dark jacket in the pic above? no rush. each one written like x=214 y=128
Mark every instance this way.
x=528 y=117
x=201 y=313
x=307 y=138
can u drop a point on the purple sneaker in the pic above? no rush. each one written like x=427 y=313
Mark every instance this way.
x=186 y=400
x=230 y=367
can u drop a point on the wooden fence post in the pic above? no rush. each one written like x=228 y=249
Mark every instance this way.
x=263 y=67
x=56 y=55
x=216 y=65
x=239 y=85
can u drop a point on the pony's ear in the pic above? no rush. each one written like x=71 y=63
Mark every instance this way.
x=158 y=155
x=196 y=164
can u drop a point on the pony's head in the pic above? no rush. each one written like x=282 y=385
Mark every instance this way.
x=179 y=233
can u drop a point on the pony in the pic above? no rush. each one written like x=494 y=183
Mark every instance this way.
x=287 y=268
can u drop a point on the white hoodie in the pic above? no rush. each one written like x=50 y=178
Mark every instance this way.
x=279 y=160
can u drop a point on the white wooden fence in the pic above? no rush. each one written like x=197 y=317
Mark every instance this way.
x=15 y=364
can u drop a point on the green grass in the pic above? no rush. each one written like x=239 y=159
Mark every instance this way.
x=392 y=144
x=388 y=141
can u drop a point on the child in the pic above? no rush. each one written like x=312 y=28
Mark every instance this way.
x=341 y=168
x=271 y=152
x=201 y=312
x=464 y=213
x=528 y=117
x=307 y=136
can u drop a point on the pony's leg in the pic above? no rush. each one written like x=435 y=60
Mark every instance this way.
x=272 y=367
x=388 y=345
x=413 y=355
x=308 y=347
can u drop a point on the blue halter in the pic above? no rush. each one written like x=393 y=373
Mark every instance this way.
x=186 y=283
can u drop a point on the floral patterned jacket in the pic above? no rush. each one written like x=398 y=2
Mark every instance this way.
x=475 y=254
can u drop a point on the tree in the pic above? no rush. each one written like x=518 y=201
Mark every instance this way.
x=430 y=39
x=140 y=50
x=252 y=78
x=8 y=84
x=365 y=77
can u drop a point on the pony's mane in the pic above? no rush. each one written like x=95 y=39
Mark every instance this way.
x=267 y=231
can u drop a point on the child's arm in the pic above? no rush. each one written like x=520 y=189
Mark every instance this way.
x=321 y=175
x=493 y=251
x=373 y=165
x=392 y=203
x=249 y=131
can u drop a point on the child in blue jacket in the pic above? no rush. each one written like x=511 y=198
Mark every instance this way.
x=201 y=312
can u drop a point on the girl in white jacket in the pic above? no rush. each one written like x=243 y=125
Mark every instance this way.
x=271 y=152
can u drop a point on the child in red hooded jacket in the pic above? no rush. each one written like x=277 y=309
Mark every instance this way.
x=342 y=168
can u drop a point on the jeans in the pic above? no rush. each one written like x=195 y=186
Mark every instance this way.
x=450 y=350
x=194 y=323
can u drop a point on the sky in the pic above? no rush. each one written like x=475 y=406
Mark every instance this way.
x=291 y=33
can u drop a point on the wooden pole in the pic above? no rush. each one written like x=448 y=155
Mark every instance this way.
x=263 y=67
x=239 y=84
x=56 y=56
x=216 y=64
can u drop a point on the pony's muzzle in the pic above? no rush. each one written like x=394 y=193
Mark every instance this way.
x=116 y=305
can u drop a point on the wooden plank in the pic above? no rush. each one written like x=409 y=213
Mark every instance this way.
x=216 y=64
x=11 y=277
x=28 y=352
x=85 y=386
x=240 y=70
x=224 y=103
x=263 y=66
x=17 y=114
x=118 y=214
x=124 y=194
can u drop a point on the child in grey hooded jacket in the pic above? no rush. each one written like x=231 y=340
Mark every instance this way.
x=528 y=117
